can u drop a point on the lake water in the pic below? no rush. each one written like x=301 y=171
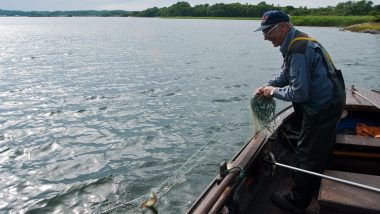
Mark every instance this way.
x=97 y=113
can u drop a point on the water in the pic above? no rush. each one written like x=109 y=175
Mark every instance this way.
x=97 y=112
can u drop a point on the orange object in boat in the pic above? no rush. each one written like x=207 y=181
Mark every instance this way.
x=366 y=130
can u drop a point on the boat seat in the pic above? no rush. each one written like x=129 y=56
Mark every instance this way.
x=337 y=197
x=356 y=140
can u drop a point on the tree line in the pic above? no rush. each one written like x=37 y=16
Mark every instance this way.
x=102 y=13
x=183 y=8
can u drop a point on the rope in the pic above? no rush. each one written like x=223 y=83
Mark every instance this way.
x=241 y=172
x=262 y=108
x=179 y=173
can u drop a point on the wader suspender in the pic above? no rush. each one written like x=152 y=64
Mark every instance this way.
x=332 y=71
x=325 y=55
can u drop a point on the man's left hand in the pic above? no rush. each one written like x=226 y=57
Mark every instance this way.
x=267 y=91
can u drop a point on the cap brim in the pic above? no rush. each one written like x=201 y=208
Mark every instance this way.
x=263 y=27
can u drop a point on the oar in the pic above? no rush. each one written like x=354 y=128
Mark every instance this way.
x=354 y=91
x=273 y=161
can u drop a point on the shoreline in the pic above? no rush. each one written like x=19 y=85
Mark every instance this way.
x=317 y=21
x=360 y=24
x=371 y=28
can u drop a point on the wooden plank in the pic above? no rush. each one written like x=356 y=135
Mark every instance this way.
x=354 y=100
x=348 y=198
x=356 y=140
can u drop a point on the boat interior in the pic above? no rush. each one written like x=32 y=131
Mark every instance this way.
x=354 y=165
x=354 y=158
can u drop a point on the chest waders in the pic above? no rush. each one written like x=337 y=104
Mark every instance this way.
x=317 y=126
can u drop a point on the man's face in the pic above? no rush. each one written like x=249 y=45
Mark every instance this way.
x=274 y=34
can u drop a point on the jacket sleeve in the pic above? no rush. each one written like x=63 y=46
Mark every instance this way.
x=279 y=81
x=299 y=78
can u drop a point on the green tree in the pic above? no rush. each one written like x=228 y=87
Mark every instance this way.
x=288 y=9
x=200 y=10
x=217 y=10
x=375 y=11
x=150 y=12
x=362 y=7
x=234 y=10
x=181 y=8
x=253 y=11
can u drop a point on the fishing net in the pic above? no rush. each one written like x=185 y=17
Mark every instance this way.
x=263 y=110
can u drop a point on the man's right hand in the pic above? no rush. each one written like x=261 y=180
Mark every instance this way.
x=266 y=91
x=260 y=91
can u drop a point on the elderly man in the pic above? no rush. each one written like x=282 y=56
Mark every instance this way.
x=311 y=82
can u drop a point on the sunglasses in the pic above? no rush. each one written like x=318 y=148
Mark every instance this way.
x=270 y=31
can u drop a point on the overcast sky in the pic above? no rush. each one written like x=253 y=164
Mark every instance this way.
x=51 y=5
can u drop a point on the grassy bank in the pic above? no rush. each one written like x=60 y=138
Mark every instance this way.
x=336 y=21
x=321 y=21
x=362 y=27
x=210 y=17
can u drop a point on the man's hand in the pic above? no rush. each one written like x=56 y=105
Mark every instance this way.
x=266 y=91
x=259 y=91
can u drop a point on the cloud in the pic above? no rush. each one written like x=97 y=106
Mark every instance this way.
x=131 y=5
x=51 y=5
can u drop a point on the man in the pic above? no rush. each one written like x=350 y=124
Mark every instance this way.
x=311 y=82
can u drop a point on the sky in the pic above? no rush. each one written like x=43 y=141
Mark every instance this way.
x=136 y=5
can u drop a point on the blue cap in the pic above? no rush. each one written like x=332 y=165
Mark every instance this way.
x=272 y=17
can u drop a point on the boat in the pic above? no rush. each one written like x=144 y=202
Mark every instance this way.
x=246 y=182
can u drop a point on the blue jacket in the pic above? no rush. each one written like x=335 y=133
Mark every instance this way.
x=304 y=77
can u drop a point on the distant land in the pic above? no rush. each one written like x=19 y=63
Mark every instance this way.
x=183 y=8
x=79 y=13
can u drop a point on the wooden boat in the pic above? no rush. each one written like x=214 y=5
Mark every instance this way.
x=354 y=158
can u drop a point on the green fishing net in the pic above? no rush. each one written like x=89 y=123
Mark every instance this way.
x=263 y=109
